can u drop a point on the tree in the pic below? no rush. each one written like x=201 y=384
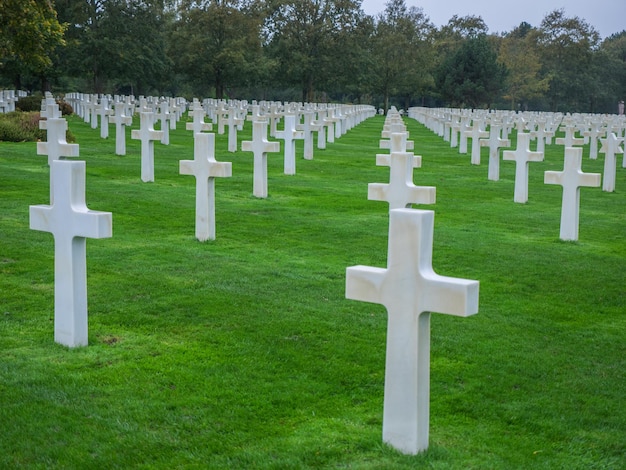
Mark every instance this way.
x=471 y=76
x=610 y=66
x=303 y=36
x=518 y=52
x=216 y=42
x=567 y=46
x=29 y=34
x=402 y=51
x=116 y=43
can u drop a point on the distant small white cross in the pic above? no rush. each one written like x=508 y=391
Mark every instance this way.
x=572 y=179
x=147 y=135
x=198 y=124
x=594 y=133
x=522 y=156
x=164 y=117
x=307 y=134
x=233 y=123
x=476 y=133
x=570 y=138
x=289 y=134
x=120 y=120
x=205 y=168
x=494 y=142
x=104 y=111
x=409 y=289
x=71 y=223
x=611 y=147
x=542 y=134
x=260 y=147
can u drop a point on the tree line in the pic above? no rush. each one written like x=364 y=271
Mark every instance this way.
x=308 y=50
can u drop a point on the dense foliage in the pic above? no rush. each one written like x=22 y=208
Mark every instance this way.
x=312 y=50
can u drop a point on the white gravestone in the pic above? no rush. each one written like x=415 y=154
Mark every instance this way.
x=594 y=133
x=463 y=133
x=476 y=133
x=147 y=135
x=571 y=178
x=233 y=125
x=103 y=112
x=94 y=111
x=522 y=156
x=570 y=139
x=120 y=120
x=289 y=134
x=610 y=148
x=198 y=124
x=205 y=168
x=164 y=117
x=56 y=145
x=400 y=192
x=494 y=142
x=307 y=134
x=319 y=127
x=71 y=223
x=260 y=147
x=542 y=135
x=409 y=289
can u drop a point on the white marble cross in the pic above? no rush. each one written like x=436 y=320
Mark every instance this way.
x=233 y=124
x=164 y=117
x=260 y=146
x=409 y=289
x=94 y=111
x=401 y=144
x=464 y=130
x=120 y=120
x=400 y=192
x=56 y=146
x=611 y=147
x=594 y=133
x=542 y=134
x=571 y=178
x=570 y=139
x=476 y=133
x=319 y=127
x=494 y=142
x=103 y=112
x=307 y=134
x=289 y=134
x=522 y=156
x=205 y=168
x=331 y=121
x=147 y=135
x=71 y=223
x=198 y=124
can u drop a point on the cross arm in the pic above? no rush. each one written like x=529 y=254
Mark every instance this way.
x=364 y=283
x=449 y=295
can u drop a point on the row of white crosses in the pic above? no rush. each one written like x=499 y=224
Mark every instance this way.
x=71 y=223
x=8 y=99
x=571 y=178
x=410 y=290
x=205 y=168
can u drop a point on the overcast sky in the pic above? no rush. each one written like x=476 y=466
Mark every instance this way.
x=606 y=16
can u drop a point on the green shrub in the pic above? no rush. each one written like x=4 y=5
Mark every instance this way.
x=21 y=127
x=29 y=103
x=10 y=131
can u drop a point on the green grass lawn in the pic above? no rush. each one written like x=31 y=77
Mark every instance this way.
x=244 y=353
